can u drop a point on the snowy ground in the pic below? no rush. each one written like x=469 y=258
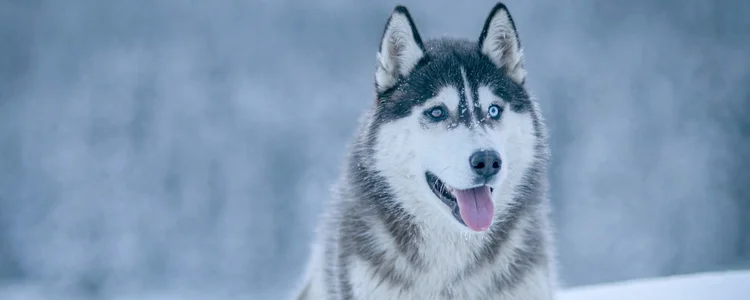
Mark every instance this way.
x=706 y=286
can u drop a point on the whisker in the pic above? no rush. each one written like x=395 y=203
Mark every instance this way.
x=443 y=187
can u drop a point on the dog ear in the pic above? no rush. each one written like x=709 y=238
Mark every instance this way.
x=499 y=41
x=400 y=49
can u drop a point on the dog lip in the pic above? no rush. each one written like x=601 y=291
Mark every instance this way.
x=445 y=193
x=439 y=187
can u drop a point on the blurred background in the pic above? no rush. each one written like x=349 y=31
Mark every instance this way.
x=186 y=146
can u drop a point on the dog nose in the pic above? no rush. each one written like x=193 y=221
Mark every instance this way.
x=485 y=163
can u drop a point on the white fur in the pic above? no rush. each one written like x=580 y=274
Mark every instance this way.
x=501 y=46
x=402 y=155
x=399 y=52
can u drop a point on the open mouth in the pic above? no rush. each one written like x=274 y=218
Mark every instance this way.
x=471 y=207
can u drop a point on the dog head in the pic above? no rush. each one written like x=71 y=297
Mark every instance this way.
x=456 y=125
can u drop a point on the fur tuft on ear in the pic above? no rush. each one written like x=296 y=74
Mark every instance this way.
x=499 y=41
x=400 y=49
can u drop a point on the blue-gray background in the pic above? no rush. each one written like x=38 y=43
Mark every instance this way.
x=187 y=145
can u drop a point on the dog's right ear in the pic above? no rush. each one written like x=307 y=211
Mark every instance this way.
x=400 y=49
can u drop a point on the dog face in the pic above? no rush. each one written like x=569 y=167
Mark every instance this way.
x=455 y=122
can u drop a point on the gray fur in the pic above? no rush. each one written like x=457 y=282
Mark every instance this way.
x=364 y=202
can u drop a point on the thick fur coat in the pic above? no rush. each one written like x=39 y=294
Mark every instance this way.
x=444 y=192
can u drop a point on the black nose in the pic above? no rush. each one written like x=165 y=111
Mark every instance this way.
x=485 y=163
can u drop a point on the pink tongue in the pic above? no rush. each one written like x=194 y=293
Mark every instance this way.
x=476 y=208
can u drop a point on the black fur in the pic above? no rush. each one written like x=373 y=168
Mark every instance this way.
x=440 y=67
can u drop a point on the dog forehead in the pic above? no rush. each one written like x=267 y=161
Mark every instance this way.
x=460 y=63
x=449 y=95
x=455 y=64
x=452 y=70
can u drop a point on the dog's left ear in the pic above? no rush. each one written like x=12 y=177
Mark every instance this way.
x=400 y=49
x=499 y=41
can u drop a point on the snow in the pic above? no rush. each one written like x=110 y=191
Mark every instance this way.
x=733 y=285
x=704 y=286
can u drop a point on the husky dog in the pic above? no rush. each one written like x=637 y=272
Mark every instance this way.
x=444 y=192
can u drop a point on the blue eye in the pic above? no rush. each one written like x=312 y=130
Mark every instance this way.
x=494 y=111
x=436 y=113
